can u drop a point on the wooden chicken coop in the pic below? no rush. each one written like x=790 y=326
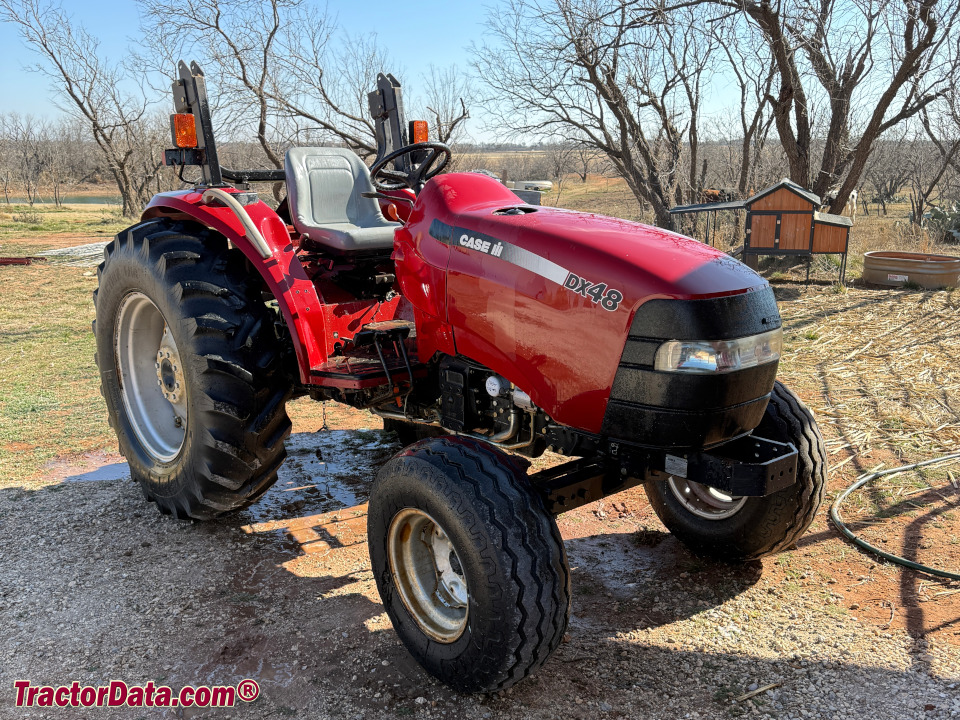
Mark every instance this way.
x=784 y=220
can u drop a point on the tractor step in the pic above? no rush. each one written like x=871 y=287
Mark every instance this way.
x=356 y=373
x=385 y=336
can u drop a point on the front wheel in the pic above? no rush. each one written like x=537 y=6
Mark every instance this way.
x=469 y=565
x=738 y=529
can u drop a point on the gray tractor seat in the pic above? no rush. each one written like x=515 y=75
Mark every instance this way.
x=323 y=190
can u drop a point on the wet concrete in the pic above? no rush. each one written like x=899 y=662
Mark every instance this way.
x=113 y=471
x=324 y=471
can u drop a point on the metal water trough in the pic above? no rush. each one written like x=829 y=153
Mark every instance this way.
x=884 y=267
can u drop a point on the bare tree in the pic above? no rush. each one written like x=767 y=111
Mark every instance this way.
x=92 y=89
x=585 y=70
x=239 y=41
x=884 y=57
x=940 y=143
x=560 y=157
x=941 y=123
x=444 y=95
x=284 y=60
x=61 y=145
x=584 y=158
x=26 y=136
x=6 y=174
x=886 y=170
x=326 y=87
x=920 y=156
x=749 y=61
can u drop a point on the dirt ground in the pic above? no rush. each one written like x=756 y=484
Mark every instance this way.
x=95 y=585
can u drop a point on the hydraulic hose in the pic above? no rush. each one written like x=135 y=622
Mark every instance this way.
x=870 y=477
x=243 y=216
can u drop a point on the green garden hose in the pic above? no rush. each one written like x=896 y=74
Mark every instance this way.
x=835 y=516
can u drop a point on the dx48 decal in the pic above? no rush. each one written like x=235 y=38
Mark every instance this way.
x=598 y=293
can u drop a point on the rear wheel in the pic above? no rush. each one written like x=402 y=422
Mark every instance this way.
x=469 y=565
x=733 y=528
x=190 y=368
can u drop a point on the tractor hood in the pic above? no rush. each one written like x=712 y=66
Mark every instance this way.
x=641 y=260
x=547 y=297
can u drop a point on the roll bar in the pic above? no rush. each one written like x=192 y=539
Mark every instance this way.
x=190 y=96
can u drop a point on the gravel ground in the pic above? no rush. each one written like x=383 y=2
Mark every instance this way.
x=95 y=585
x=89 y=255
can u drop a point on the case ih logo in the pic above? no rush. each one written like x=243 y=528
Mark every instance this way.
x=484 y=246
x=607 y=298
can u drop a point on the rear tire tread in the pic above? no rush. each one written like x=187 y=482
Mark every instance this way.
x=241 y=424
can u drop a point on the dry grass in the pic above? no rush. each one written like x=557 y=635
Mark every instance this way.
x=878 y=367
x=50 y=403
x=27 y=231
x=606 y=196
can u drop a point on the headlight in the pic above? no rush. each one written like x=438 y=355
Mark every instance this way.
x=719 y=356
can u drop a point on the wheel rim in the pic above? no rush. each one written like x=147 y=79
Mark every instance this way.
x=151 y=377
x=705 y=501
x=428 y=574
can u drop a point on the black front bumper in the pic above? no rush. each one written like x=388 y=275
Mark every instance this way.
x=683 y=411
x=752 y=466
x=749 y=466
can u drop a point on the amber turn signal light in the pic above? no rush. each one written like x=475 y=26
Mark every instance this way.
x=184 y=130
x=419 y=132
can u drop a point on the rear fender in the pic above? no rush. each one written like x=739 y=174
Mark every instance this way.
x=296 y=295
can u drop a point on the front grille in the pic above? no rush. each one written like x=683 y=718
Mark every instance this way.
x=684 y=410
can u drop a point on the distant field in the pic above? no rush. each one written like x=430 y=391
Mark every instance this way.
x=26 y=230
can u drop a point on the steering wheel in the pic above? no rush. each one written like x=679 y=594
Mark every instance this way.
x=384 y=179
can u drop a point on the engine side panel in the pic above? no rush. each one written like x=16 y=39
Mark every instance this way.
x=546 y=297
x=421 y=262
x=542 y=337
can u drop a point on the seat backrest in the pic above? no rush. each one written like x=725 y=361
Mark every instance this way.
x=324 y=186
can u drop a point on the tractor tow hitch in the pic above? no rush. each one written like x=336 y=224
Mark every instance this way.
x=747 y=467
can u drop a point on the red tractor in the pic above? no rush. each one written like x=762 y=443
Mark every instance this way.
x=482 y=329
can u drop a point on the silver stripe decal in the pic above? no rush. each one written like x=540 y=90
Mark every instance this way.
x=512 y=254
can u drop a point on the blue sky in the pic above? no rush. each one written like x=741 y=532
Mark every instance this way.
x=416 y=33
